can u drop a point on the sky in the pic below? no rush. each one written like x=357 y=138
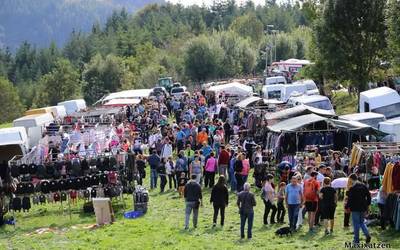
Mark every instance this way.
x=209 y=2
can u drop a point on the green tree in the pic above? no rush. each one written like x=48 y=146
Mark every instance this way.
x=350 y=38
x=105 y=75
x=394 y=33
x=248 y=26
x=203 y=58
x=9 y=100
x=61 y=84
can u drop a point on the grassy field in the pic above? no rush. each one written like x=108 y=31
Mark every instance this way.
x=50 y=227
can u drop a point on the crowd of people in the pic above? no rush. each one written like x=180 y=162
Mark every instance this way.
x=189 y=146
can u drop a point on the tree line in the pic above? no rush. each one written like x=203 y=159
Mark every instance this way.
x=350 y=42
x=191 y=44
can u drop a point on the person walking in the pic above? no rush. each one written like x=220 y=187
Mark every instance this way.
x=311 y=189
x=219 y=198
x=170 y=170
x=358 y=202
x=162 y=172
x=268 y=196
x=328 y=203
x=294 y=199
x=238 y=172
x=232 y=178
x=211 y=165
x=245 y=202
x=154 y=161
x=195 y=168
x=193 y=198
x=223 y=161
x=281 y=207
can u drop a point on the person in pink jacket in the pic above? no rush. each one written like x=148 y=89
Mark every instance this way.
x=210 y=168
x=245 y=169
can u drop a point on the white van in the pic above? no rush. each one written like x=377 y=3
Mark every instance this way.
x=275 y=80
x=313 y=101
x=58 y=111
x=73 y=106
x=383 y=100
x=392 y=128
x=34 y=126
x=283 y=92
x=13 y=141
x=312 y=88
x=370 y=118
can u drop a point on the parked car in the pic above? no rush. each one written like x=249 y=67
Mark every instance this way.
x=157 y=91
x=179 y=92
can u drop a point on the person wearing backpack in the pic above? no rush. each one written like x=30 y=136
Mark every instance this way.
x=311 y=189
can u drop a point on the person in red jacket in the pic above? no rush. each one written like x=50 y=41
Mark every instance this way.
x=223 y=161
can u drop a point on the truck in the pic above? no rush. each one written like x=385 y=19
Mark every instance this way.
x=166 y=82
x=383 y=100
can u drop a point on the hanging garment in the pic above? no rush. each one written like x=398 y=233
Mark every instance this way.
x=396 y=177
x=42 y=199
x=387 y=185
x=26 y=204
x=16 y=204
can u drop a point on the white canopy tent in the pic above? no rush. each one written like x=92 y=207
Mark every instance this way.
x=233 y=88
x=128 y=94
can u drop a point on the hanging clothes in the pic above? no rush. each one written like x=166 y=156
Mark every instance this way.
x=387 y=185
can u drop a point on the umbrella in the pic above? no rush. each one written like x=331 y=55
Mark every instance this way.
x=282 y=165
x=340 y=182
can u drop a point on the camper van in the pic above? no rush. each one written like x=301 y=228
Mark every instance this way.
x=275 y=80
x=313 y=101
x=392 y=128
x=283 y=92
x=312 y=88
x=34 y=126
x=73 y=106
x=13 y=141
x=369 y=118
x=383 y=100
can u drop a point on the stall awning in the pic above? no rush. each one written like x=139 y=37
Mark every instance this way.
x=296 y=111
x=97 y=112
x=122 y=102
x=296 y=123
x=355 y=127
x=246 y=102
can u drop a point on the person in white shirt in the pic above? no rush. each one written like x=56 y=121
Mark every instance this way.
x=166 y=151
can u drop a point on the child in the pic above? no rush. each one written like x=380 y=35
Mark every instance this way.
x=181 y=184
x=328 y=204
x=281 y=206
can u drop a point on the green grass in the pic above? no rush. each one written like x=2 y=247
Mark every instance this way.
x=6 y=125
x=345 y=103
x=162 y=228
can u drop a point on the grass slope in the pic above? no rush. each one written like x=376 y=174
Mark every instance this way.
x=162 y=228
x=344 y=103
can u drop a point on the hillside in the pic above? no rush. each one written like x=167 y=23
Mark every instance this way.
x=41 y=22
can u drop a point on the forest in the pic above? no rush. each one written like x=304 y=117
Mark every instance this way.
x=195 y=44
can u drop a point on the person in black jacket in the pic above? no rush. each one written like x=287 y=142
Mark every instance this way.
x=358 y=202
x=219 y=198
x=193 y=198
